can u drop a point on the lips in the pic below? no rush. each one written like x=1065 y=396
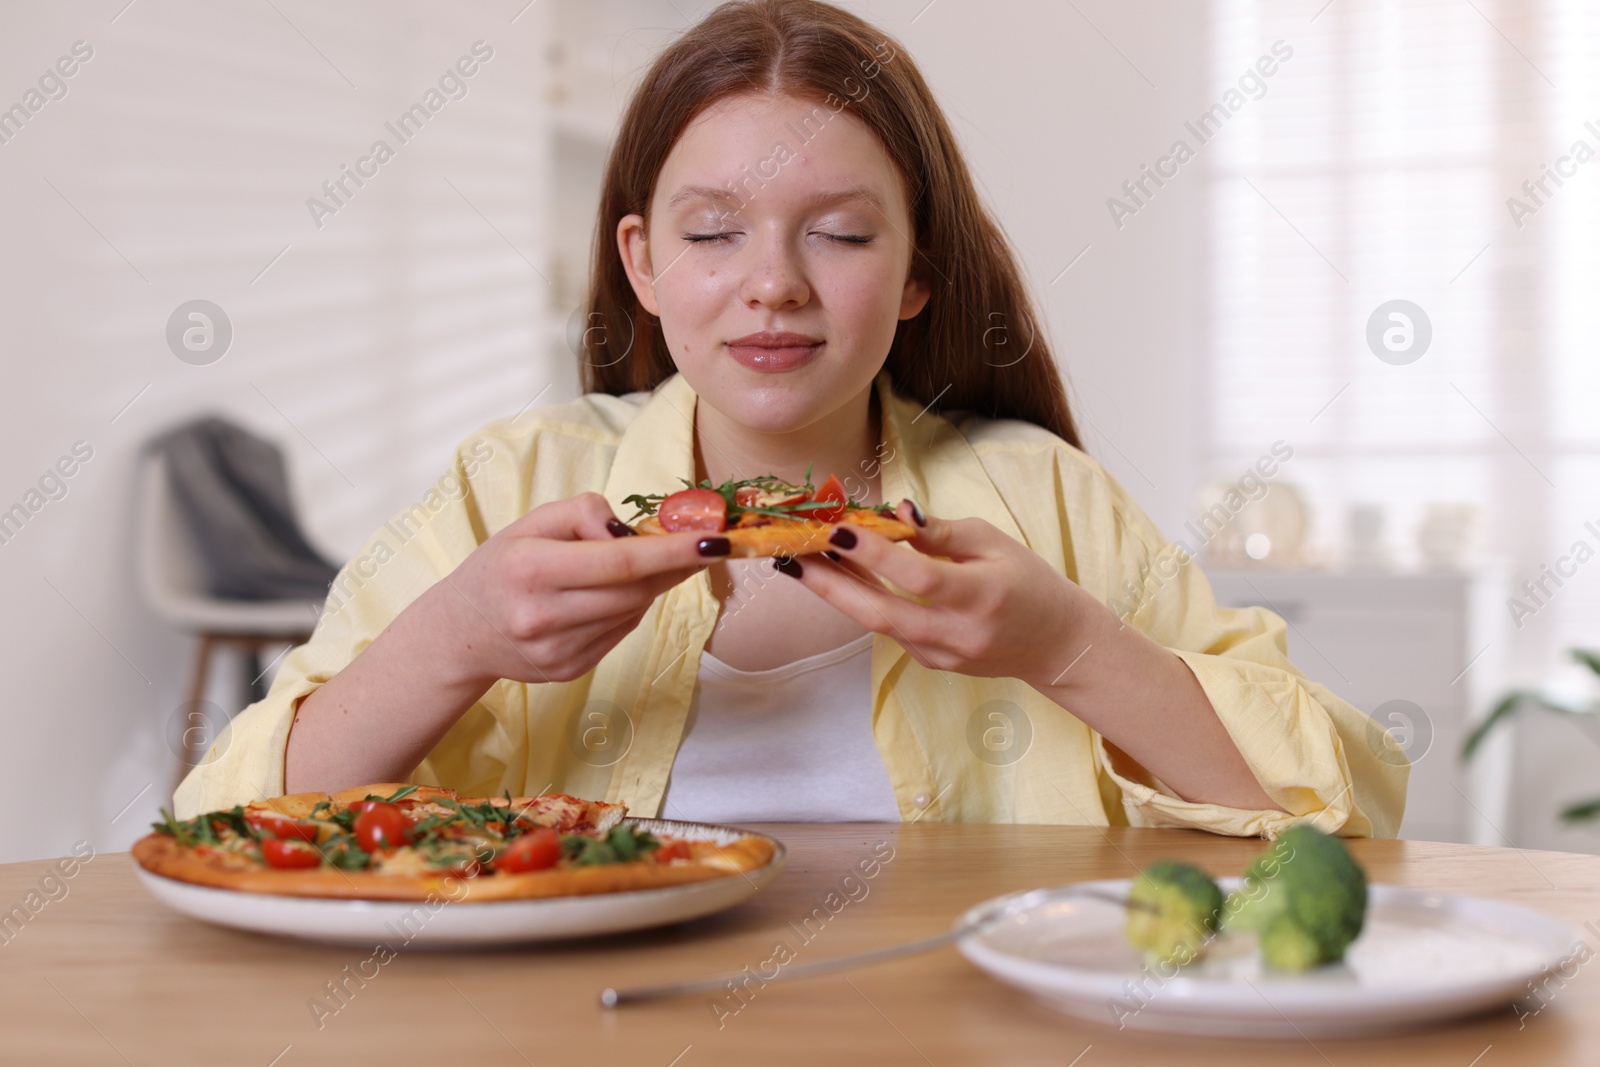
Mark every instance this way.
x=772 y=352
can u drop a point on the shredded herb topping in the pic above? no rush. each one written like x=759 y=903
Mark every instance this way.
x=647 y=503
x=467 y=839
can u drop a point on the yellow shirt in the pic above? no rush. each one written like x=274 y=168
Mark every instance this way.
x=614 y=732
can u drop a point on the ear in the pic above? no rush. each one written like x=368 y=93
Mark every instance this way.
x=635 y=252
x=914 y=297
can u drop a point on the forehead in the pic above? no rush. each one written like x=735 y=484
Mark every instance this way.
x=783 y=149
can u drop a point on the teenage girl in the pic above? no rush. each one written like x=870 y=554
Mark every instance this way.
x=793 y=272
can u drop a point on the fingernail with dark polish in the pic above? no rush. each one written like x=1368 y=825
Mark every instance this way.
x=916 y=513
x=832 y=555
x=619 y=528
x=715 y=546
x=788 y=566
x=843 y=538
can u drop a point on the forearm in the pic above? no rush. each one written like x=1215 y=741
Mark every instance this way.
x=384 y=712
x=1146 y=702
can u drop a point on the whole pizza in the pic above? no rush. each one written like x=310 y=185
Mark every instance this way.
x=764 y=516
x=410 y=842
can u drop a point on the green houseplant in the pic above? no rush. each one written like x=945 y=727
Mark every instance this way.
x=1587 y=717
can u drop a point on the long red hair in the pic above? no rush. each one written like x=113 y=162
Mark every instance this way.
x=977 y=346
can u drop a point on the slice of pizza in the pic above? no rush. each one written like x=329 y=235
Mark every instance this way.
x=764 y=516
x=409 y=842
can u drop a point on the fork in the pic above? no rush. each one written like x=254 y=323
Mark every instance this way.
x=611 y=997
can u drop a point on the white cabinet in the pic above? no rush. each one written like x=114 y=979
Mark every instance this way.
x=1418 y=652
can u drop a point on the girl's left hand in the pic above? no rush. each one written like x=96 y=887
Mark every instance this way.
x=991 y=608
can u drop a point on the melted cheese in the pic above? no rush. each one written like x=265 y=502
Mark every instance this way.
x=403 y=861
x=555 y=810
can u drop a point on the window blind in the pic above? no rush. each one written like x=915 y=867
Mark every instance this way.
x=1386 y=160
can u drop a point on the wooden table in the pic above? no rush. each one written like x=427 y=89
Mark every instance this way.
x=105 y=975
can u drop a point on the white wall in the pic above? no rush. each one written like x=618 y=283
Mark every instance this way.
x=187 y=147
x=1056 y=109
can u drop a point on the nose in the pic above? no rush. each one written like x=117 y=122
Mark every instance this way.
x=776 y=279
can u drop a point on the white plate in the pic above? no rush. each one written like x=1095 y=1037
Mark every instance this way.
x=443 y=924
x=1421 y=957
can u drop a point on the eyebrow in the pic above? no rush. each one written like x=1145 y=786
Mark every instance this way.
x=725 y=196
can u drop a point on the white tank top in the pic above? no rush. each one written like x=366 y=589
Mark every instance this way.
x=790 y=744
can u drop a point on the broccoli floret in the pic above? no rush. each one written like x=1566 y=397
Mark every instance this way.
x=1174 y=911
x=1305 y=896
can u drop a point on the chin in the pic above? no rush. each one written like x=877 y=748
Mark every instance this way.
x=775 y=403
x=767 y=408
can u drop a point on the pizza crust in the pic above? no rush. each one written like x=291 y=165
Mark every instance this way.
x=793 y=537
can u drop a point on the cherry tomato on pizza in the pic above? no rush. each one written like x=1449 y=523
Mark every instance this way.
x=533 y=851
x=271 y=824
x=287 y=855
x=753 y=496
x=382 y=825
x=677 y=849
x=832 y=489
x=693 y=509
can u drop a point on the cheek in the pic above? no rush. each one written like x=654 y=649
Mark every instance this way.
x=866 y=302
x=691 y=296
x=710 y=284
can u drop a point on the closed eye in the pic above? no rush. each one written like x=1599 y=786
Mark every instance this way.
x=847 y=238
x=700 y=237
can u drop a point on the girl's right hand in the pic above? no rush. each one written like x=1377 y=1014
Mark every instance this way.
x=545 y=598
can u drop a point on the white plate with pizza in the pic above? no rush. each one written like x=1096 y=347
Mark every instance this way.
x=1422 y=957
x=405 y=865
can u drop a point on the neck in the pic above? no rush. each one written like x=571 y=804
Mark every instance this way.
x=845 y=443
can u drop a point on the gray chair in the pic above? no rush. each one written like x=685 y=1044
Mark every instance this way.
x=174 y=584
